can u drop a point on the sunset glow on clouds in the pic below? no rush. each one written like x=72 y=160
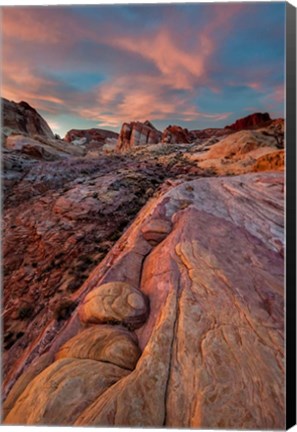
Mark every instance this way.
x=196 y=65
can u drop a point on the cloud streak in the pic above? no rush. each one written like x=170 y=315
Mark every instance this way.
x=165 y=63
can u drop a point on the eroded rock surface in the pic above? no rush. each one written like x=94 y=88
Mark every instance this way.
x=61 y=218
x=168 y=317
x=212 y=346
x=34 y=148
x=64 y=390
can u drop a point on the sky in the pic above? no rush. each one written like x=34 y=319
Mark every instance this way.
x=195 y=65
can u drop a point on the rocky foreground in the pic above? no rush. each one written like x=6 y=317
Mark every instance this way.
x=143 y=286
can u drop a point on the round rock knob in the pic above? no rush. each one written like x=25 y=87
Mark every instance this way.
x=115 y=303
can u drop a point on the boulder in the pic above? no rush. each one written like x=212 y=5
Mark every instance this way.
x=111 y=344
x=155 y=230
x=115 y=302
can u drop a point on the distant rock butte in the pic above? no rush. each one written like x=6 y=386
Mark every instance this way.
x=136 y=134
x=209 y=133
x=210 y=353
x=255 y=120
x=176 y=134
x=22 y=118
x=92 y=138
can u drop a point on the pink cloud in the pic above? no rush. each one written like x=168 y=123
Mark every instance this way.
x=179 y=68
x=279 y=93
x=171 y=65
x=115 y=106
x=255 y=85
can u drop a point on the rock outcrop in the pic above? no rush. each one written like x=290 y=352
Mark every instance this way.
x=137 y=134
x=243 y=151
x=23 y=119
x=42 y=149
x=176 y=135
x=92 y=139
x=61 y=218
x=211 y=348
x=25 y=132
x=252 y=121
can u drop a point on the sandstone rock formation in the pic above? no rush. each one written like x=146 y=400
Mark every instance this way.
x=35 y=148
x=136 y=292
x=212 y=346
x=92 y=139
x=274 y=161
x=61 y=218
x=23 y=119
x=25 y=131
x=176 y=135
x=251 y=121
x=136 y=134
x=111 y=344
x=116 y=302
x=210 y=132
x=242 y=152
x=64 y=390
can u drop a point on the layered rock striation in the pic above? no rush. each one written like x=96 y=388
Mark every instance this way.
x=137 y=134
x=136 y=292
x=209 y=346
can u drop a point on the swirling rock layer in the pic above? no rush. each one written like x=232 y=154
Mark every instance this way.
x=115 y=302
x=212 y=345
